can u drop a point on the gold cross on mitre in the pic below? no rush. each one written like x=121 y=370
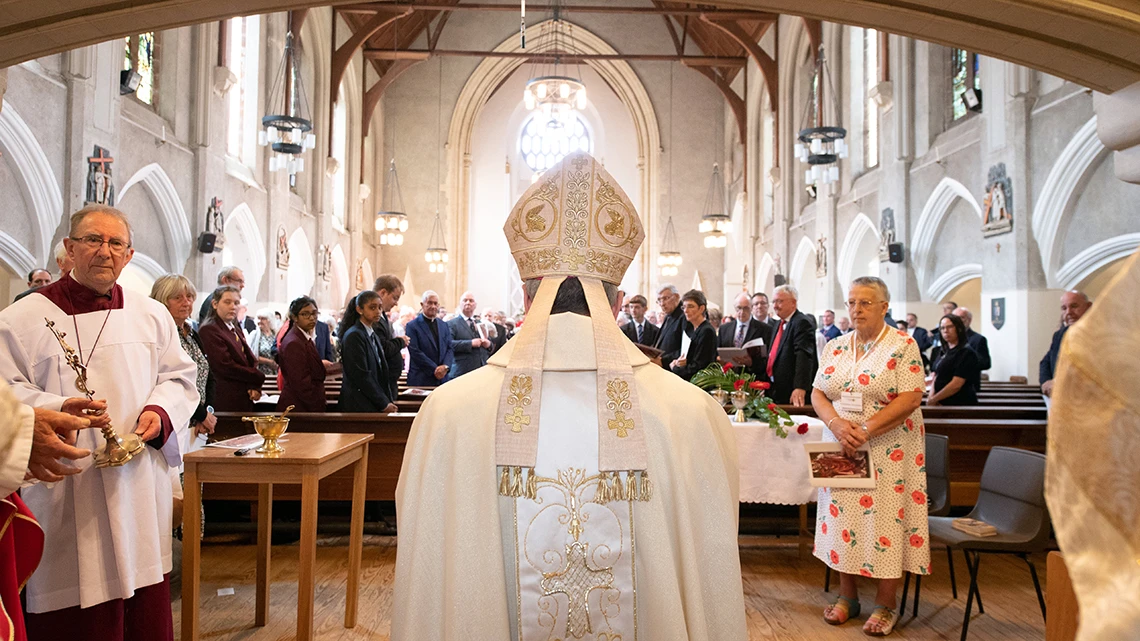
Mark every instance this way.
x=576 y=580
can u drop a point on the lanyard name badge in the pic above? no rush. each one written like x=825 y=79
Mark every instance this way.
x=852 y=401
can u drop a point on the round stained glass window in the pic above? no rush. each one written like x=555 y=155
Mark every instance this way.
x=544 y=147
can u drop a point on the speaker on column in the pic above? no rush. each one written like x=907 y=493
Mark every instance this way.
x=206 y=242
x=780 y=279
x=895 y=252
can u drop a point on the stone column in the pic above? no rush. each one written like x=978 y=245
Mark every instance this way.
x=896 y=155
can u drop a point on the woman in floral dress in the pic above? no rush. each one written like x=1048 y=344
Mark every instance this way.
x=868 y=390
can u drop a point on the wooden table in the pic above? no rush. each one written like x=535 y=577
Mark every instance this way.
x=307 y=459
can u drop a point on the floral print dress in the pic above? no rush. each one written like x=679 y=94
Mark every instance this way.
x=880 y=532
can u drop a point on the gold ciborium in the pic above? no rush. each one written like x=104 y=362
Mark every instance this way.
x=740 y=400
x=119 y=449
x=270 y=428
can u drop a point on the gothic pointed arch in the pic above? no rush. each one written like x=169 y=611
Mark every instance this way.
x=937 y=206
x=172 y=216
x=854 y=248
x=30 y=164
x=302 y=273
x=245 y=248
x=951 y=279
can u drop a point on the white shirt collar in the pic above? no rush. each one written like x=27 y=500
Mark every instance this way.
x=368 y=329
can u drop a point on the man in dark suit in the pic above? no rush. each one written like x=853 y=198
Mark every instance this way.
x=244 y=321
x=792 y=359
x=1074 y=304
x=322 y=340
x=921 y=336
x=975 y=341
x=490 y=317
x=390 y=289
x=741 y=329
x=469 y=340
x=231 y=276
x=429 y=344
x=827 y=325
x=639 y=329
x=669 y=338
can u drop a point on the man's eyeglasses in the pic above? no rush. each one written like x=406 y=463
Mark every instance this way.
x=744 y=308
x=861 y=304
x=94 y=242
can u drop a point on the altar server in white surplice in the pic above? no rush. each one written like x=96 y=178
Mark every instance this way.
x=594 y=496
x=107 y=531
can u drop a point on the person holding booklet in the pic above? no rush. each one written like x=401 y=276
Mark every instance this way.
x=868 y=391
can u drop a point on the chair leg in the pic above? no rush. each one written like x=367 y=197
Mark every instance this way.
x=906 y=587
x=970 y=593
x=977 y=592
x=827 y=580
x=917 y=591
x=953 y=583
x=1036 y=583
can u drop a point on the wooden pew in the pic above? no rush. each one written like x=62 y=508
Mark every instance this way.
x=385 y=455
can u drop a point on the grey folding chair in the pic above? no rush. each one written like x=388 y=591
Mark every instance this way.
x=1012 y=499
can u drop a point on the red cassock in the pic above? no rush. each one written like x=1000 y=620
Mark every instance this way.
x=21 y=546
x=302 y=374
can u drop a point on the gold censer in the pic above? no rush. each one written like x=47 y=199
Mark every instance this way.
x=118 y=450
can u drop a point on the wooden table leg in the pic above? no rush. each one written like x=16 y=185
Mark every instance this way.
x=264 y=545
x=356 y=537
x=191 y=548
x=803 y=531
x=308 y=546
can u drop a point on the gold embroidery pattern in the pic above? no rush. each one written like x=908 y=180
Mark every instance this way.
x=606 y=264
x=532 y=225
x=617 y=391
x=577 y=203
x=613 y=213
x=576 y=580
x=519 y=397
x=535 y=262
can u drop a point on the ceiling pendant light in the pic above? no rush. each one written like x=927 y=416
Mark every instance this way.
x=391 y=221
x=436 y=254
x=554 y=94
x=669 y=259
x=820 y=146
x=288 y=132
x=715 y=221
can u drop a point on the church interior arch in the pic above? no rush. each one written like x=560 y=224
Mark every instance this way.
x=34 y=180
x=1099 y=279
x=339 y=283
x=859 y=254
x=950 y=217
x=765 y=274
x=302 y=273
x=139 y=274
x=245 y=249
x=171 y=238
x=802 y=275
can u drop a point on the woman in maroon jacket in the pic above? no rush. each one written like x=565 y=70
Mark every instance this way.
x=302 y=372
x=231 y=360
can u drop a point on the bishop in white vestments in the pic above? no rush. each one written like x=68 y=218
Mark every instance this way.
x=107 y=531
x=594 y=496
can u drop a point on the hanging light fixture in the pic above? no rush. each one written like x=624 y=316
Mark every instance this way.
x=555 y=93
x=436 y=254
x=669 y=259
x=288 y=132
x=715 y=221
x=391 y=221
x=820 y=146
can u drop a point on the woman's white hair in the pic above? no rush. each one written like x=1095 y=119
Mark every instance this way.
x=873 y=281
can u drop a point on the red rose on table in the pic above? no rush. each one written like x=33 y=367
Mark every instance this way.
x=823 y=527
x=884 y=541
x=738 y=384
x=802 y=429
x=864 y=379
x=900 y=488
x=846 y=536
x=918 y=496
x=891 y=364
x=897 y=455
x=760 y=385
x=916 y=541
x=866 y=500
x=835 y=557
x=834 y=510
x=865 y=572
x=920 y=459
x=727 y=366
x=915 y=369
x=772 y=407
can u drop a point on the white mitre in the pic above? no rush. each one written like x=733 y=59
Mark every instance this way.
x=576 y=221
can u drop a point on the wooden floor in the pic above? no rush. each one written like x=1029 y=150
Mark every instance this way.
x=784 y=595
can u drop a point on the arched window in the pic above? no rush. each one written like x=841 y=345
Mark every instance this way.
x=966 y=81
x=870 y=106
x=243 y=46
x=339 y=147
x=139 y=55
x=543 y=147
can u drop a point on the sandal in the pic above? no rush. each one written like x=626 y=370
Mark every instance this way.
x=845 y=608
x=885 y=617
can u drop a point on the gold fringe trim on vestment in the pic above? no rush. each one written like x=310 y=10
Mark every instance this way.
x=610 y=487
x=514 y=484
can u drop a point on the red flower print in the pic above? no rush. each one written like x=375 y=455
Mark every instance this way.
x=909 y=341
x=915 y=369
x=920 y=459
x=864 y=379
x=865 y=572
x=830 y=369
x=837 y=352
x=884 y=541
x=900 y=514
x=834 y=557
x=823 y=527
x=918 y=496
x=891 y=396
x=909 y=424
x=834 y=510
x=866 y=500
x=738 y=384
x=916 y=541
x=846 y=536
x=891 y=364
x=900 y=488
x=802 y=429
x=759 y=385
x=772 y=407
x=727 y=366
x=897 y=455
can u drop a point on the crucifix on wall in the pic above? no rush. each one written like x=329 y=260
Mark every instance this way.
x=100 y=190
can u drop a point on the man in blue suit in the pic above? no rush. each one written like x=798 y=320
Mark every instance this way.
x=323 y=342
x=469 y=340
x=827 y=325
x=430 y=344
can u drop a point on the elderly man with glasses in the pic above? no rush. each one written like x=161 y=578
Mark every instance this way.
x=741 y=329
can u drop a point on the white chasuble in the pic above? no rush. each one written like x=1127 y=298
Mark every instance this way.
x=574 y=556
x=107 y=531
